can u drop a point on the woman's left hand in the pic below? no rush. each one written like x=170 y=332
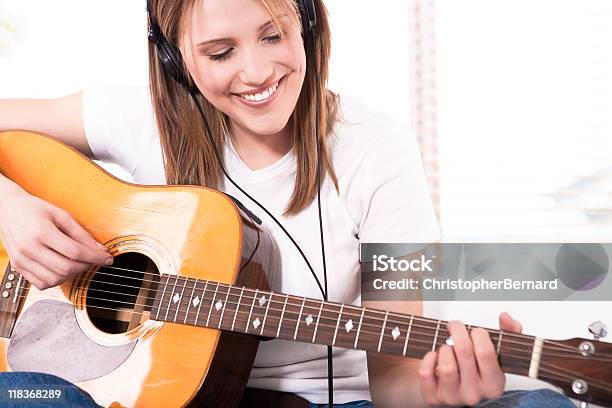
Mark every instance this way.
x=467 y=372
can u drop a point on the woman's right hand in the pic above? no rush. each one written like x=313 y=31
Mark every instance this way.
x=44 y=243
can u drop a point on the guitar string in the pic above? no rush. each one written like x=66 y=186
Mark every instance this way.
x=522 y=358
x=356 y=308
x=442 y=333
x=435 y=322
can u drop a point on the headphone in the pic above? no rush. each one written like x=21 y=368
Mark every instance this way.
x=170 y=56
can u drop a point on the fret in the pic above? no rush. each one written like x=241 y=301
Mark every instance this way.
x=280 y=322
x=237 y=307
x=317 y=324
x=195 y=283
x=212 y=303
x=171 y=296
x=263 y=324
x=369 y=335
x=224 y=305
x=408 y=335
x=180 y=298
x=382 y=331
x=200 y=302
x=299 y=318
x=251 y=311
x=184 y=303
x=158 y=300
x=337 y=324
x=435 y=340
x=359 y=327
x=501 y=333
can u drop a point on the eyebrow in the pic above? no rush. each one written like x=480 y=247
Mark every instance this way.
x=226 y=39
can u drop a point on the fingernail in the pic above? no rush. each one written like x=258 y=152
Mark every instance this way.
x=101 y=246
x=109 y=261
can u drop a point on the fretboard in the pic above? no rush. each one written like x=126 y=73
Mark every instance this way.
x=263 y=313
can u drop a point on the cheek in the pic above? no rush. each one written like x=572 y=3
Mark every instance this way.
x=213 y=81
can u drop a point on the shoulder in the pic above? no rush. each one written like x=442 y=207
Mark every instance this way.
x=119 y=123
x=361 y=133
x=122 y=100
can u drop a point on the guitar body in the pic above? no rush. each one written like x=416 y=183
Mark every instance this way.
x=113 y=350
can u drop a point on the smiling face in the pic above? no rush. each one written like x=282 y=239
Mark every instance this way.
x=237 y=59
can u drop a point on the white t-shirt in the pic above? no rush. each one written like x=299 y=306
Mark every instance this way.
x=383 y=198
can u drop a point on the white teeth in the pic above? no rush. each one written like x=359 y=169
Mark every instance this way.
x=261 y=96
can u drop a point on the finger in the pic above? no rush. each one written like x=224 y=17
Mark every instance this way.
x=30 y=277
x=59 y=264
x=38 y=274
x=468 y=370
x=491 y=374
x=507 y=323
x=448 y=375
x=427 y=378
x=74 y=250
x=73 y=229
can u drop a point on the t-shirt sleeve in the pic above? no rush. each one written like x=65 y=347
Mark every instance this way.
x=118 y=123
x=396 y=205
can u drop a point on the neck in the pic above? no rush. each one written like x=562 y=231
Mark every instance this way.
x=267 y=314
x=259 y=151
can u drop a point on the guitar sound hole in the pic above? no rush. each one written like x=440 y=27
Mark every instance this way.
x=120 y=296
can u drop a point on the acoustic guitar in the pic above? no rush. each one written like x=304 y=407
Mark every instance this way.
x=176 y=320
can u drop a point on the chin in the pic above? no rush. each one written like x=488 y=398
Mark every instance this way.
x=265 y=127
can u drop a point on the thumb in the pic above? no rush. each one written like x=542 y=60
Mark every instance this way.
x=507 y=323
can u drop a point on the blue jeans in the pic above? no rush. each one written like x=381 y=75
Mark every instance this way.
x=35 y=390
x=510 y=399
x=54 y=391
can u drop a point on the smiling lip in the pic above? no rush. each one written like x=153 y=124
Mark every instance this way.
x=264 y=103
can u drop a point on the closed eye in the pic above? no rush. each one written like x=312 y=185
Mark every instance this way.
x=226 y=55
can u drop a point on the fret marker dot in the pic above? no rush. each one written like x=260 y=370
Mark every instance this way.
x=256 y=322
x=218 y=305
x=349 y=325
x=196 y=301
x=450 y=341
x=308 y=320
x=262 y=300
x=176 y=298
x=395 y=333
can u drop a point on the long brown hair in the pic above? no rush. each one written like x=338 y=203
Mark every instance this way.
x=189 y=158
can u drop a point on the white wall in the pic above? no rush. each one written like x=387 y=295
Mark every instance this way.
x=73 y=44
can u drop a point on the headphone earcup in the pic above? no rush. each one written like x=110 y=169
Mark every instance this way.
x=171 y=60
x=308 y=15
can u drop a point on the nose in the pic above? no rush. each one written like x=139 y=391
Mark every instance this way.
x=257 y=68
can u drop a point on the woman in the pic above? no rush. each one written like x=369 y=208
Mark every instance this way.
x=256 y=78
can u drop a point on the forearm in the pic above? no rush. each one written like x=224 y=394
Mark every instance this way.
x=394 y=381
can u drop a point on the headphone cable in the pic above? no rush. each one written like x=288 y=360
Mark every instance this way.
x=323 y=290
x=218 y=156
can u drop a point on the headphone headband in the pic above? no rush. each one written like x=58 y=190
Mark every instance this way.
x=170 y=56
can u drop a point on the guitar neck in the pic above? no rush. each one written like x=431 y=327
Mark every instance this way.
x=263 y=313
